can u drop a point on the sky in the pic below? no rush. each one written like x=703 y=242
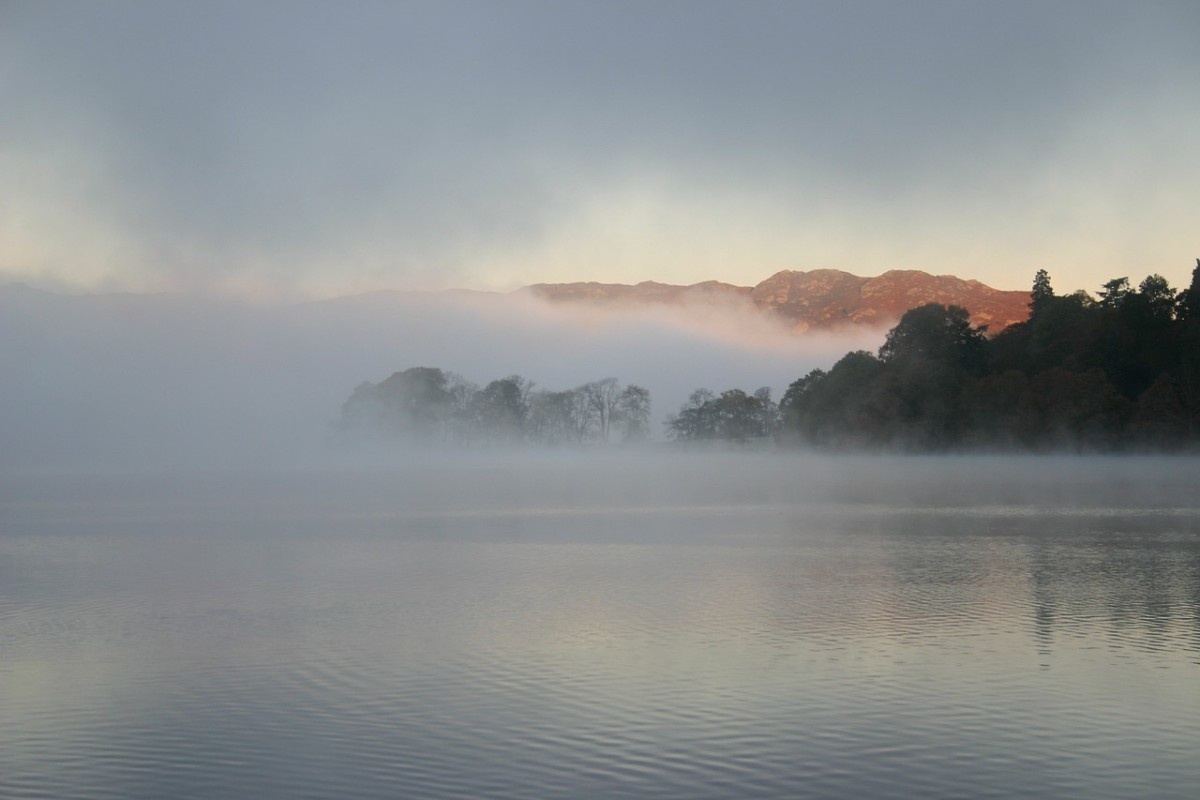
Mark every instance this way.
x=309 y=149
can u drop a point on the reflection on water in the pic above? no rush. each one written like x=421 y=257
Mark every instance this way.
x=740 y=627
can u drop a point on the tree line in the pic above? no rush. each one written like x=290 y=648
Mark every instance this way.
x=426 y=405
x=1120 y=371
x=731 y=416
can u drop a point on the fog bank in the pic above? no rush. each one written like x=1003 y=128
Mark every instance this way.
x=176 y=380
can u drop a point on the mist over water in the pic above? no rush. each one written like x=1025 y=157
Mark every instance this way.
x=209 y=590
x=564 y=625
x=203 y=594
x=141 y=381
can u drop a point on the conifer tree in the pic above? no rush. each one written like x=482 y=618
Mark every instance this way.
x=1042 y=292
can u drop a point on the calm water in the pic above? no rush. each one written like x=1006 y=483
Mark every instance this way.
x=714 y=627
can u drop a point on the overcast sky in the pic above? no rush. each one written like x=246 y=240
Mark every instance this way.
x=326 y=148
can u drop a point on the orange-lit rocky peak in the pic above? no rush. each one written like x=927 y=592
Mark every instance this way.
x=817 y=299
x=896 y=291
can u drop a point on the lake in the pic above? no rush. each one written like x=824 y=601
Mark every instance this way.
x=664 y=626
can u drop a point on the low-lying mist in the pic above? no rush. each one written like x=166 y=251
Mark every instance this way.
x=150 y=381
x=623 y=490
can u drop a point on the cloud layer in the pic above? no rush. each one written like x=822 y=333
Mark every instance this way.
x=327 y=147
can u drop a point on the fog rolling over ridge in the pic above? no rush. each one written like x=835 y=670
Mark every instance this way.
x=174 y=380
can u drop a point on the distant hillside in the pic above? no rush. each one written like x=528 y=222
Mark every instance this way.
x=819 y=298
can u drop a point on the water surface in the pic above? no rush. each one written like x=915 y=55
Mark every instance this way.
x=703 y=627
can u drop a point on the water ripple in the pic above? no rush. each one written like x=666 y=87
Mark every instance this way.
x=675 y=650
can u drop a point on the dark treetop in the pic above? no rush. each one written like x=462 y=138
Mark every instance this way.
x=1120 y=372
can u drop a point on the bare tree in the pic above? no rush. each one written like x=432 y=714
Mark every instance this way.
x=603 y=396
x=550 y=419
x=633 y=413
x=583 y=415
x=768 y=412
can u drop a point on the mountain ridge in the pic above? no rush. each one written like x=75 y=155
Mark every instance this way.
x=816 y=299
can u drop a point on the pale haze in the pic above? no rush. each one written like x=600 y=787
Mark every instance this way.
x=319 y=149
x=240 y=557
x=150 y=382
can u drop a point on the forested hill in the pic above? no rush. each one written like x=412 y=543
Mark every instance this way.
x=1120 y=371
